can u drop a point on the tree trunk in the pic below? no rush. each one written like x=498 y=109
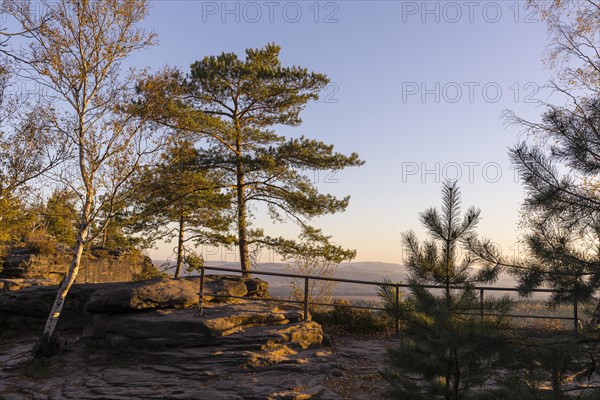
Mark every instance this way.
x=105 y=235
x=241 y=220
x=595 y=319
x=47 y=345
x=180 y=246
x=448 y=379
x=242 y=230
x=556 y=386
x=447 y=283
x=456 y=375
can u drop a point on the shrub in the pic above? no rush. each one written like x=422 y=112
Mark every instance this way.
x=42 y=243
x=149 y=271
x=343 y=319
x=100 y=253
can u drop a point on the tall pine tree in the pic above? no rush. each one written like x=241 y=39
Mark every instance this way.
x=233 y=106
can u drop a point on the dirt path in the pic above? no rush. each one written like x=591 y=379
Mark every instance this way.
x=360 y=361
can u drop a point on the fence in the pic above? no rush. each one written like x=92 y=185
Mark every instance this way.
x=306 y=303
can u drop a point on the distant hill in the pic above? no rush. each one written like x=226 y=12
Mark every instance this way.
x=363 y=271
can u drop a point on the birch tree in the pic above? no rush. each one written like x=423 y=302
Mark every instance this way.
x=77 y=56
x=574 y=51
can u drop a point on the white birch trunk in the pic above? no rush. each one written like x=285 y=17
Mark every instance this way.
x=47 y=344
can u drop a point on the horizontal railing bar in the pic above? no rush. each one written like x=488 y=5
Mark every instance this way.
x=306 y=302
x=404 y=285
x=348 y=306
x=541 y=317
x=519 y=316
x=227 y=296
x=276 y=300
x=322 y=278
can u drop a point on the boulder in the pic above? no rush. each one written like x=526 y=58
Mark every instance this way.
x=214 y=289
x=223 y=320
x=154 y=294
x=28 y=308
x=230 y=284
x=256 y=287
x=36 y=301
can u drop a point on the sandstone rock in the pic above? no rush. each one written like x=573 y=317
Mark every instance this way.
x=12 y=285
x=221 y=370
x=236 y=323
x=160 y=293
x=251 y=350
x=36 y=301
x=98 y=266
x=256 y=287
x=227 y=319
x=216 y=288
x=30 y=306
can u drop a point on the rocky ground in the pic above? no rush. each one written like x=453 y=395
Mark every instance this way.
x=147 y=341
x=231 y=371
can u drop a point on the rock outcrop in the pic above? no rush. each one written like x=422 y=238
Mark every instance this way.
x=14 y=284
x=219 y=324
x=147 y=340
x=28 y=266
x=31 y=305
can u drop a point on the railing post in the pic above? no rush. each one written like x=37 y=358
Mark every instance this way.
x=201 y=293
x=575 y=317
x=481 y=303
x=306 y=299
x=397 y=312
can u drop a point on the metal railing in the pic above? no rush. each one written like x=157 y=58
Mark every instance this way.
x=306 y=301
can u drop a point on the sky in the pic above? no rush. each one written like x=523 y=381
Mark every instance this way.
x=417 y=90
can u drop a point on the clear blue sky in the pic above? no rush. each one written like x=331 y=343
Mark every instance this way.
x=417 y=90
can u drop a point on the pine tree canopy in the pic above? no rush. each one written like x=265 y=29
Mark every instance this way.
x=232 y=108
x=559 y=166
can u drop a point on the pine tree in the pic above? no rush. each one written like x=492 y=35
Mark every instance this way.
x=175 y=199
x=233 y=106
x=559 y=164
x=562 y=209
x=448 y=351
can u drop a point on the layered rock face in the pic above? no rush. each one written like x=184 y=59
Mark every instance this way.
x=25 y=267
